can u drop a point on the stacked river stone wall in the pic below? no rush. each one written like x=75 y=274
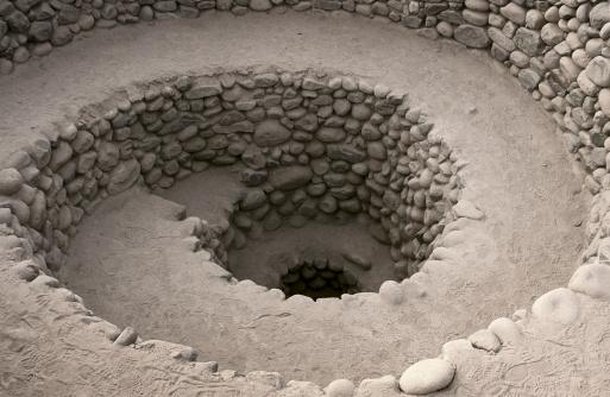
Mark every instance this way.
x=305 y=145
x=559 y=50
x=318 y=278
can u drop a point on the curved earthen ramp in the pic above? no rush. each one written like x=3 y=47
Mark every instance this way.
x=137 y=371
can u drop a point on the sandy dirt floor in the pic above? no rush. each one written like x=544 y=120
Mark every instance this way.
x=130 y=265
x=518 y=174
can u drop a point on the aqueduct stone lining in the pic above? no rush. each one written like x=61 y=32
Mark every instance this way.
x=559 y=53
x=309 y=147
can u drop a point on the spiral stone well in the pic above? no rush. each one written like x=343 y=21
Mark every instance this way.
x=317 y=149
x=164 y=203
x=327 y=150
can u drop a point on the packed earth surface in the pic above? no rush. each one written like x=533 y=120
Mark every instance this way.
x=294 y=198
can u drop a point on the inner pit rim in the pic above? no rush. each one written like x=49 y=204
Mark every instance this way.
x=99 y=150
x=115 y=180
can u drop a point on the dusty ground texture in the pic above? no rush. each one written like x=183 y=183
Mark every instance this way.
x=518 y=174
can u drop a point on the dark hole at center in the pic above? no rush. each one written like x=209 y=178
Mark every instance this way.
x=318 y=279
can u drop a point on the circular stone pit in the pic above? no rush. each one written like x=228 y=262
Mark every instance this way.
x=309 y=148
x=464 y=33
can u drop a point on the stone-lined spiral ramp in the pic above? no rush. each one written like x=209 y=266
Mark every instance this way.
x=447 y=115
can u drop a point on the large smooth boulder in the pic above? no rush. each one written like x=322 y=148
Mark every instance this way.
x=472 y=36
x=598 y=71
x=203 y=89
x=592 y=279
x=10 y=181
x=260 y=5
x=600 y=15
x=123 y=176
x=427 y=376
x=559 y=305
x=528 y=41
x=271 y=133
x=289 y=178
x=345 y=152
x=340 y=388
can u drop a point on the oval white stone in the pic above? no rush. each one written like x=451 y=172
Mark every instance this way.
x=592 y=279
x=10 y=181
x=559 y=305
x=506 y=330
x=427 y=376
x=486 y=340
x=391 y=292
x=340 y=388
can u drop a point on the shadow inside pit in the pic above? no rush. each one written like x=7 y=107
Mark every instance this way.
x=318 y=279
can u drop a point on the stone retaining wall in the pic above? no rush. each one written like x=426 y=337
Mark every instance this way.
x=559 y=51
x=307 y=146
x=331 y=145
